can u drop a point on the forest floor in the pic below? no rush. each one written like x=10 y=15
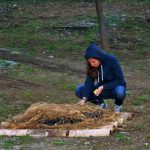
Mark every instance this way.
x=55 y=34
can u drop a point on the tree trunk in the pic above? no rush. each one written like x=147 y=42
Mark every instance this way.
x=101 y=22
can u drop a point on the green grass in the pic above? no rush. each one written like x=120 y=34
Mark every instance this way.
x=58 y=142
x=66 y=86
x=145 y=146
x=25 y=139
x=6 y=108
x=8 y=144
x=30 y=43
x=5 y=64
x=70 y=1
x=123 y=138
x=22 y=1
x=132 y=148
x=29 y=95
x=147 y=136
x=56 y=86
x=144 y=45
x=131 y=29
x=141 y=100
x=22 y=70
x=145 y=2
x=32 y=74
x=114 y=20
x=142 y=2
x=138 y=126
x=33 y=35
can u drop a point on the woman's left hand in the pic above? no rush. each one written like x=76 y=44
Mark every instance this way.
x=98 y=90
x=81 y=102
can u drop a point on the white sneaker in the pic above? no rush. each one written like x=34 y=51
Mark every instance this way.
x=103 y=105
x=118 y=108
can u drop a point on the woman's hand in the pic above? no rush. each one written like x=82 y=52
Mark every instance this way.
x=82 y=102
x=98 y=91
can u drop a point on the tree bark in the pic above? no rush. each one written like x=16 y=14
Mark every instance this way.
x=101 y=23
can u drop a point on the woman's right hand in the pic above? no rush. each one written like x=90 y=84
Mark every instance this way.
x=82 y=102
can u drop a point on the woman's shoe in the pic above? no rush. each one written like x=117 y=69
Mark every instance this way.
x=103 y=105
x=118 y=108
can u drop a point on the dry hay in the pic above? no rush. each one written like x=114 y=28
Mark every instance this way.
x=60 y=116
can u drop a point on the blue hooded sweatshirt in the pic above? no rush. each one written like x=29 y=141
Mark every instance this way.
x=110 y=73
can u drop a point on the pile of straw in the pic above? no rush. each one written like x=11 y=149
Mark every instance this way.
x=66 y=116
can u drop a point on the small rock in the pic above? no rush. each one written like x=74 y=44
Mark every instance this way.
x=146 y=144
x=51 y=56
x=123 y=132
x=4 y=124
x=86 y=143
x=15 y=53
x=14 y=5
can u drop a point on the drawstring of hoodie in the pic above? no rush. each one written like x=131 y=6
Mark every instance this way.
x=102 y=73
x=102 y=76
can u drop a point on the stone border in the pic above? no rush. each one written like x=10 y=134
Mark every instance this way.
x=103 y=131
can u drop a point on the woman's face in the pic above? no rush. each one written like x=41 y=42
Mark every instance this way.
x=94 y=62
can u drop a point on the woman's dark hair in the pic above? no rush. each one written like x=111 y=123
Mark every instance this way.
x=91 y=71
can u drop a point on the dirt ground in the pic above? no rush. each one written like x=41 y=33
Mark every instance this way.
x=25 y=84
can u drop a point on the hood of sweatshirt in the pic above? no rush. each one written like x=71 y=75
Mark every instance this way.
x=93 y=51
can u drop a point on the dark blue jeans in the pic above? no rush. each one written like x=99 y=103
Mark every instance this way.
x=118 y=93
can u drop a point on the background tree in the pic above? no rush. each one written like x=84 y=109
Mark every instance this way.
x=101 y=22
